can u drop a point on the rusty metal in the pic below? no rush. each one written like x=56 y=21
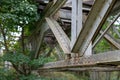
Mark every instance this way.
x=107 y=59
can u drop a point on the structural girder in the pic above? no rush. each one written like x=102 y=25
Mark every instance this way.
x=101 y=59
x=99 y=69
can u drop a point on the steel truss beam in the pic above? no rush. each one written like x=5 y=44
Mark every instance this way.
x=109 y=26
x=107 y=58
x=95 y=20
x=60 y=35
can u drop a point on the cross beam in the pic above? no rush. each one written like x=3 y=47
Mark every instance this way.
x=95 y=20
x=107 y=58
x=111 y=40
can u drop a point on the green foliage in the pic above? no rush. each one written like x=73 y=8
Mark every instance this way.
x=18 y=13
x=15 y=15
x=11 y=75
x=19 y=59
x=36 y=63
x=102 y=46
x=29 y=77
x=7 y=74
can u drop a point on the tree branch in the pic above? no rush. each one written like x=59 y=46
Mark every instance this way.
x=16 y=68
x=22 y=40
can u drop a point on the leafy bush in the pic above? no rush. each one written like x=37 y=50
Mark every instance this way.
x=20 y=59
x=7 y=74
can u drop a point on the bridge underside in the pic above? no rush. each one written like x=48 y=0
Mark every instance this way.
x=83 y=21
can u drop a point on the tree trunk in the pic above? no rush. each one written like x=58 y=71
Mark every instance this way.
x=4 y=38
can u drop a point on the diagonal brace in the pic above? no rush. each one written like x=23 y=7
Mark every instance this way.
x=60 y=35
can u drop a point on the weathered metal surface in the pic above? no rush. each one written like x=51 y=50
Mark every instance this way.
x=76 y=20
x=60 y=35
x=98 y=14
x=99 y=69
x=107 y=58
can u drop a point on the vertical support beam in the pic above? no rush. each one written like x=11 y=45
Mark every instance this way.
x=76 y=20
x=118 y=76
x=107 y=75
x=79 y=17
x=94 y=75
